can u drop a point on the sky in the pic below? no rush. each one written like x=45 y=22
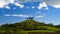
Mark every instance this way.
x=47 y=11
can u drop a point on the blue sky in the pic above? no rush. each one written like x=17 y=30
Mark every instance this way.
x=17 y=10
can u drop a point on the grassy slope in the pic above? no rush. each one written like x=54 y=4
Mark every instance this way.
x=49 y=28
x=29 y=23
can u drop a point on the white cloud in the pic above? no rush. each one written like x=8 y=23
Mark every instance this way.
x=17 y=15
x=11 y=1
x=54 y=3
x=4 y=3
x=33 y=7
x=39 y=16
x=7 y=7
x=18 y=4
x=56 y=6
x=42 y=5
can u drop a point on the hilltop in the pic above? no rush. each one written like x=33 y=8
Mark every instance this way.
x=28 y=26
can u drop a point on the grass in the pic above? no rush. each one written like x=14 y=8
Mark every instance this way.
x=39 y=31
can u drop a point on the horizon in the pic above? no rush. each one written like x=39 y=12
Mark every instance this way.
x=47 y=11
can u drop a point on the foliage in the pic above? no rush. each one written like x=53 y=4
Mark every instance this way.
x=27 y=26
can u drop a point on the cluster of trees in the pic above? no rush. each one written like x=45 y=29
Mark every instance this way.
x=25 y=26
x=30 y=18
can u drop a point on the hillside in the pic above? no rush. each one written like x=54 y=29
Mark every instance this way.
x=27 y=26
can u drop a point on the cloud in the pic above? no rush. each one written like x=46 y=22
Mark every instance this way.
x=22 y=15
x=46 y=8
x=5 y=3
x=2 y=4
x=16 y=15
x=29 y=0
x=56 y=6
x=42 y=5
x=33 y=7
x=39 y=16
x=54 y=3
x=23 y=1
x=7 y=15
x=7 y=7
x=20 y=5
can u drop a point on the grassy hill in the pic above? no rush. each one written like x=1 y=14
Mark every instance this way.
x=27 y=26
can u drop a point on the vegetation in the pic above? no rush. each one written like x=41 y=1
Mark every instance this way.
x=28 y=26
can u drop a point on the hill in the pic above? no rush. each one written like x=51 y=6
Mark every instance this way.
x=27 y=26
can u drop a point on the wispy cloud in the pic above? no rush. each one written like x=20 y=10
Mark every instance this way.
x=23 y=15
x=16 y=15
x=39 y=16
x=33 y=7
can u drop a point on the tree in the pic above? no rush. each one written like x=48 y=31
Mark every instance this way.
x=50 y=24
x=29 y=18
